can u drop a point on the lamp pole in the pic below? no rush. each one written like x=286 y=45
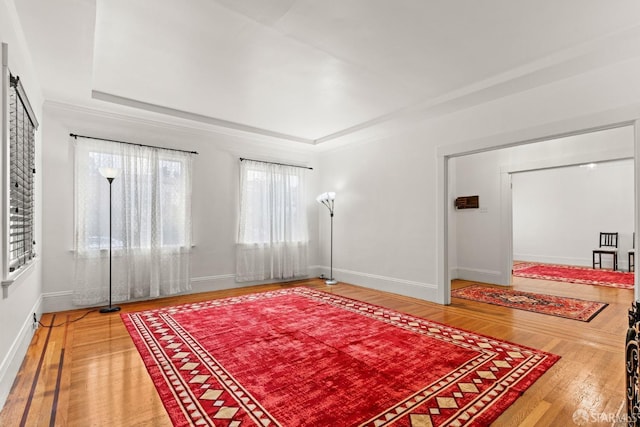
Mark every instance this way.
x=328 y=200
x=110 y=174
x=331 y=280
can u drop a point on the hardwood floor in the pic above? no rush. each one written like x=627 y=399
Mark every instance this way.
x=86 y=371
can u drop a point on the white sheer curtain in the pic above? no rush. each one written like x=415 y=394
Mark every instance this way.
x=273 y=237
x=151 y=232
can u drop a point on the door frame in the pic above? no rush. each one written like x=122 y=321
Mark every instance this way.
x=627 y=116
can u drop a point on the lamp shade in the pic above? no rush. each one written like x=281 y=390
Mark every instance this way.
x=109 y=172
x=325 y=197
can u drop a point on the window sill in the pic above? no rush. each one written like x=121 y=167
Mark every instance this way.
x=116 y=250
x=18 y=277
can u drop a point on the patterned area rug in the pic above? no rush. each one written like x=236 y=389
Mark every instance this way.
x=572 y=274
x=301 y=357
x=570 y=308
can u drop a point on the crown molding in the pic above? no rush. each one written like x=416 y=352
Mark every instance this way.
x=220 y=123
x=560 y=65
x=166 y=124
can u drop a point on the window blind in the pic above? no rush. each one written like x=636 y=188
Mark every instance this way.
x=22 y=127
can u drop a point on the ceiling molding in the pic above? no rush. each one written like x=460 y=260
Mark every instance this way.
x=594 y=122
x=128 y=102
x=193 y=128
x=559 y=65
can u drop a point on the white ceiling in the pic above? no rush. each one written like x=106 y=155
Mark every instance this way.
x=312 y=71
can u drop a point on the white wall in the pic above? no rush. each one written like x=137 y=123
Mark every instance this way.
x=385 y=199
x=558 y=213
x=479 y=231
x=215 y=192
x=389 y=213
x=22 y=298
x=389 y=229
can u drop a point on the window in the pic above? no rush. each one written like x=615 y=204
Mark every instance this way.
x=149 y=229
x=273 y=208
x=22 y=125
x=150 y=197
x=167 y=199
x=273 y=235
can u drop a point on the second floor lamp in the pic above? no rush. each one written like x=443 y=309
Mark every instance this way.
x=328 y=199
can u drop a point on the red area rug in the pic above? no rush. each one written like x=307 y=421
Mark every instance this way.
x=570 y=308
x=300 y=357
x=572 y=274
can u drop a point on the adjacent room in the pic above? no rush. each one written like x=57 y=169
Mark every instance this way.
x=554 y=198
x=305 y=213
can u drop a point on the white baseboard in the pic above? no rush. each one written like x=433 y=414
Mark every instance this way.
x=10 y=364
x=425 y=291
x=480 y=275
x=62 y=301
x=214 y=283
x=57 y=301
x=228 y=281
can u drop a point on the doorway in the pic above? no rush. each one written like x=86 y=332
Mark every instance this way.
x=496 y=237
x=559 y=212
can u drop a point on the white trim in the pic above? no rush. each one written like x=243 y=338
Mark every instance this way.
x=147 y=106
x=411 y=288
x=573 y=160
x=9 y=277
x=4 y=181
x=215 y=283
x=228 y=281
x=174 y=124
x=10 y=364
x=387 y=278
x=53 y=302
x=481 y=275
x=506 y=230
x=443 y=218
x=18 y=277
x=56 y=295
x=212 y=278
x=614 y=118
x=63 y=300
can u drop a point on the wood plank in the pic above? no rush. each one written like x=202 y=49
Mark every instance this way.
x=97 y=376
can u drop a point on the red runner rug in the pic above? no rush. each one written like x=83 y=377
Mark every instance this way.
x=570 y=308
x=301 y=357
x=573 y=274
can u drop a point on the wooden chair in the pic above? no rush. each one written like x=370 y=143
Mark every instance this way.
x=608 y=246
x=632 y=254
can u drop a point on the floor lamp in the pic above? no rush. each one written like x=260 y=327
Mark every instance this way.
x=110 y=174
x=328 y=199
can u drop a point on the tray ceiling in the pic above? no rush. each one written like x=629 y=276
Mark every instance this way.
x=311 y=71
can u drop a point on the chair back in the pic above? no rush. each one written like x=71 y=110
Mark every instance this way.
x=609 y=240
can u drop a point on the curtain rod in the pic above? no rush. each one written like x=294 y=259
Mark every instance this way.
x=276 y=163
x=131 y=143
